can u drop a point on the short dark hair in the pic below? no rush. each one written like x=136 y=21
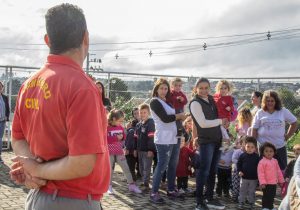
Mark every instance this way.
x=133 y=110
x=66 y=26
x=250 y=139
x=257 y=94
x=271 y=94
x=158 y=83
x=265 y=145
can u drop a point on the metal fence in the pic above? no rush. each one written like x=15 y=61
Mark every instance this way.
x=127 y=90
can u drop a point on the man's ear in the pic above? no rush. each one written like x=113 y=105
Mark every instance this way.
x=86 y=40
x=47 y=41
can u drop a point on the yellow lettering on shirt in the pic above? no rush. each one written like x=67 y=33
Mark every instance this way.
x=40 y=83
x=32 y=103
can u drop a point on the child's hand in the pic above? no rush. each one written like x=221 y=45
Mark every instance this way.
x=120 y=136
x=287 y=179
x=222 y=162
x=134 y=153
x=241 y=174
x=228 y=108
x=150 y=154
x=180 y=98
x=126 y=152
x=262 y=186
x=189 y=168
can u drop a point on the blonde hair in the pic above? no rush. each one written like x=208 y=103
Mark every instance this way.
x=188 y=119
x=175 y=80
x=114 y=114
x=228 y=84
x=244 y=116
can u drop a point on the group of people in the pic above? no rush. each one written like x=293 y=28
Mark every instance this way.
x=67 y=137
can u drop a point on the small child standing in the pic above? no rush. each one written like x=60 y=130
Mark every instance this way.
x=224 y=103
x=115 y=140
x=178 y=100
x=238 y=150
x=184 y=167
x=244 y=122
x=247 y=169
x=130 y=148
x=145 y=143
x=224 y=170
x=269 y=175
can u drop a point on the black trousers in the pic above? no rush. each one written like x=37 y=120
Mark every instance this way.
x=268 y=196
x=132 y=162
x=224 y=181
x=182 y=182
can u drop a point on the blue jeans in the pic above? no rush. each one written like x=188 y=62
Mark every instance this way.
x=209 y=155
x=2 y=127
x=167 y=158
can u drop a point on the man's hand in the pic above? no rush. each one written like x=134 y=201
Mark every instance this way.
x=20 y=176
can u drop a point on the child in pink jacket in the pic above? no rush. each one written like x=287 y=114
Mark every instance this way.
x=269 y=175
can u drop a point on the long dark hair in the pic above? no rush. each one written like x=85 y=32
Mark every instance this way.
x=158 y=83
x=103 y=90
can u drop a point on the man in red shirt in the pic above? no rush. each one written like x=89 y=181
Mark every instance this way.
x=59 y=126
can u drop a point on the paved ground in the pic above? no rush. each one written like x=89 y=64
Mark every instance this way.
x=12 y=196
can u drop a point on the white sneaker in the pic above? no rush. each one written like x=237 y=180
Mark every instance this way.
x=133 y=188
x=110 y=190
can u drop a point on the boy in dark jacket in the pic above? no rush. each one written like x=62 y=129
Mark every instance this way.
x=130 y=148
x=145 y=143
x=247 y=169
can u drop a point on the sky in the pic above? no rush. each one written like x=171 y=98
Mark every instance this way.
x=114 y=23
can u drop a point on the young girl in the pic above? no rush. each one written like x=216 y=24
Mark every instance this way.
x=224 y=102
x=115 y=140
x=269 y=175
x=244 y=122
x=188 y=127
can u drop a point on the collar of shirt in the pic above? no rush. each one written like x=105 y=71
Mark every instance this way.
x=59 y=59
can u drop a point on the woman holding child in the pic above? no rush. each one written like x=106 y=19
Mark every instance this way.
x=166 y=142
x=205 y=117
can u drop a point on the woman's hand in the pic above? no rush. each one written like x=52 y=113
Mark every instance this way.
x=120 y=136
x=181 y=116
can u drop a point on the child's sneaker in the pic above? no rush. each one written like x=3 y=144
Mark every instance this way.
x=155 y=198
x=110 y=190
x=133 y=188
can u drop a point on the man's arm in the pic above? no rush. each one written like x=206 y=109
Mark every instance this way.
x=21 y=148
x=66 y=168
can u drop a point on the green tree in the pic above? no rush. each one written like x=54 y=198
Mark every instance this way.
x=125 y=105
x=118 y=89
x=288 y=99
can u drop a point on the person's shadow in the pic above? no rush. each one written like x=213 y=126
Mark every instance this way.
x=5 y=178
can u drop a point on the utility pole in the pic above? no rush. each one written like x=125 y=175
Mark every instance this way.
x=88 y=61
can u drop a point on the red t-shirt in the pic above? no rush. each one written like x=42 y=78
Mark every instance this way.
x=115 y=146
x=222 y=102
x=59 y=112
x=184 y=162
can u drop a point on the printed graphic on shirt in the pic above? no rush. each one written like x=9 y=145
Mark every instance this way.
x=114 y=132
x=272 y=124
